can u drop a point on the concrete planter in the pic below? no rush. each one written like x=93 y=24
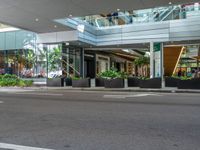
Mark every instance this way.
x=99 y=82
x=171 y=82
x=151 y=83
x=189 y=84
x=55 y=82
x=68 y=82
x=114 y=83
x=81 y=83
x=133 y=82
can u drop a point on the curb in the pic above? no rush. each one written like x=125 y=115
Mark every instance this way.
x=141 y=90
x=125 y=90
x=106 y=89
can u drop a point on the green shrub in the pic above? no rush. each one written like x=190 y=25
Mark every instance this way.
x=112 y=74
x=28 y=82
x=143 y=78
x=182 y=77
x=76 y=78
x=13 y=80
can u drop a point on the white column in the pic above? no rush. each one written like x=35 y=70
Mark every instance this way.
x=152 y=67
x=162 y=65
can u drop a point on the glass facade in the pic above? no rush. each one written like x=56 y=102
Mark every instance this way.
x=21 y=55
x=71 y=61
x=25 y=63
x=53 y=60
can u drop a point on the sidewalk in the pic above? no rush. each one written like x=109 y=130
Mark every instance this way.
x=163 y=90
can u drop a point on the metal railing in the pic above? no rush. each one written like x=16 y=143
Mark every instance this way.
x=141 y=16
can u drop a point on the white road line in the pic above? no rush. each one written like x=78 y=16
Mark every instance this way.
x=129 y=96
x=40 y=94
x=19 y=147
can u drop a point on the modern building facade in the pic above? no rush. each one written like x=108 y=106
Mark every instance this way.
x=87 y=45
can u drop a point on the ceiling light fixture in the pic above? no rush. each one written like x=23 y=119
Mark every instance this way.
x=118 y=9
x=70 y=15
x=36 y=19
x=170 y=3
x=55 y=26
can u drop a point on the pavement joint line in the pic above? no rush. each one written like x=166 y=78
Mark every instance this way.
x=19 y=147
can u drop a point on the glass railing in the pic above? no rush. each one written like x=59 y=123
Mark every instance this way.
x=142 y=16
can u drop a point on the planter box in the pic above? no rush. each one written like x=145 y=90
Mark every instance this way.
x=68 y=82
x=99 y=82
x=55 y=82
x=133 y=82
x=189 y=84
x=81 y=83
x=171 y=82
x=114 y=83
x=151 y=83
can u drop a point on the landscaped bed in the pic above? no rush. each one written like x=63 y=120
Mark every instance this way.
x=8 y=80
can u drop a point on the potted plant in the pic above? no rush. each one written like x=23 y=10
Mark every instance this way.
x=133 y=82
x=99 y=81
x=56 y=82
x=189 y=83
x=150 y=83
x=81 y=82
x=68 y=81
x=113 y=79
x=171 y=81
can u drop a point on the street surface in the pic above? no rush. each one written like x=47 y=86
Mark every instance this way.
x=75 y=120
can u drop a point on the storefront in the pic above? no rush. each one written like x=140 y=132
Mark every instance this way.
x=25 y=63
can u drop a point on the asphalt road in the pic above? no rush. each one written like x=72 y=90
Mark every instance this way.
x=73 y=120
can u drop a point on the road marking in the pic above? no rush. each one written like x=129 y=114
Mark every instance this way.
x=19 y=147
x=129 y=96
x=40 y=94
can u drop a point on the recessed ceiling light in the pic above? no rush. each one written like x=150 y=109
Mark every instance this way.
x=36 y=19
x=118 y=9
x=170 y=3
x=55 y=26
x=70 y=15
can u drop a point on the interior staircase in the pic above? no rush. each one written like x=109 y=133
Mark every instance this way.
x=171 y=58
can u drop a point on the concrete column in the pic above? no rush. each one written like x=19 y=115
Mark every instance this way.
x=157 y=61
x=162 y=65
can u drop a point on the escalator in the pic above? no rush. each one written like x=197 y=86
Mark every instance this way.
x=171 y=13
